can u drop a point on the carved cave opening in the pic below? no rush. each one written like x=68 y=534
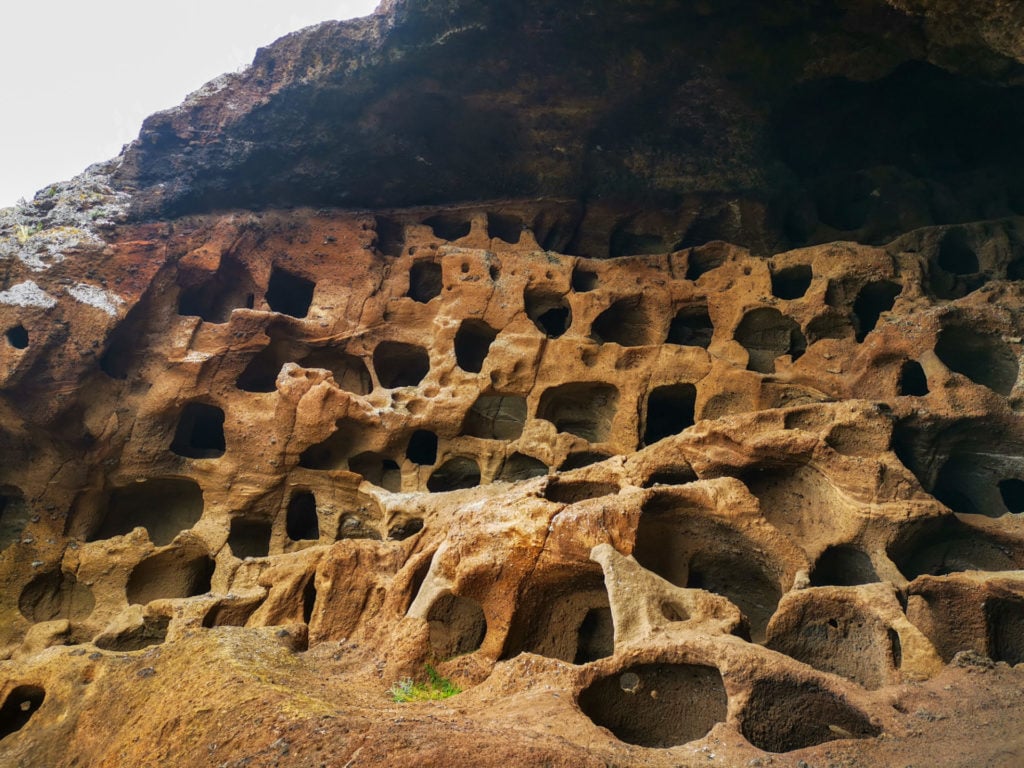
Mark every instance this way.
x=17 y=337
x=670 y=410
x=791 y=282
x=457 y=473
x=231 y=287
x=767 y=334
x=422 y=448
x=626 y=322
x=505 y=227
x=200 y=432
x=15 y=514
x=399 y=364
x=288 y=293
x=301 y=520
x=56 y=594
x=19 y=706
x=657 y=705
x=164 y=506
x=984 y=359
x=691 y=327
x=584 y=409
x=249 y=538
x=843 y=565
x=472 y=343
x=566 y=616
x=496 y=417
x=520 y=466
x=173 y=573
x=425 y=281
x=872 y=300
x=457 y=626
x=549 y=311
x=783 y=715
x=691 y=550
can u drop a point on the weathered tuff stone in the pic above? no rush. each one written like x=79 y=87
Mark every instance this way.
x=694 y=502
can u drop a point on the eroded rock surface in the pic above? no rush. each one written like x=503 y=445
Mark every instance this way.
x=648 y=497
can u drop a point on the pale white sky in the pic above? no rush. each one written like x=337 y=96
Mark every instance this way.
x=79 y=76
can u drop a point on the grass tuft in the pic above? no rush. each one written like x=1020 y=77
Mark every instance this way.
x=435 y=688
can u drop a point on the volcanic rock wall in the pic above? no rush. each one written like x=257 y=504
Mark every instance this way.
x=648 y=497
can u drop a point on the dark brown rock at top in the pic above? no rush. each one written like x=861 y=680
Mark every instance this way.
x=767 y=124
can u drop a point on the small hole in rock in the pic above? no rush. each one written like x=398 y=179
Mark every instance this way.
x=767 y=334
x=691 y=327
x=457 y=626
x=424 y=281
x=505 y=227
x=666 y=705
x=200 y=432
x=670 y=410
x=301 y=520
x=792 y=282
x=19 y=706
x=584 y=409
x=422 y=448
x=1012 y=492
x=913 y=382
x=583 y=280
x=402 y=531
x=496 y=417
x=872 y=300
x=626 y=322
x=455 y=474
x=308 y=599
x=289 y=293
x=249 y=538
x=519 y=466
x=677 y=475
x=399 y=364
x=580 y=459
x=673 y=611
x=472 y=342
x=549 y=311
x=447 y=227
x=17 y=337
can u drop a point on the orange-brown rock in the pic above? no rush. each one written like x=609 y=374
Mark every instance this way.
x=648 y=497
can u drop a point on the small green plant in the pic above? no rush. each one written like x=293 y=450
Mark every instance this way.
x=23 y=233
x=436 y=687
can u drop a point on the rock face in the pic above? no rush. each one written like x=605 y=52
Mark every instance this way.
x=418 y=350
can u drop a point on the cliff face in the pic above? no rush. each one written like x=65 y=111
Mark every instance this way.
x=650 y=370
